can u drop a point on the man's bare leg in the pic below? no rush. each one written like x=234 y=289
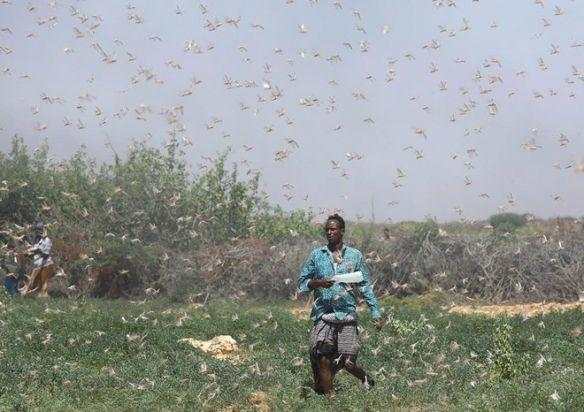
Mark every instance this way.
x=29 y=284
x=357 y=371
x=322 y=373
x=325 y=375
x=45 y=276
x=314 y=365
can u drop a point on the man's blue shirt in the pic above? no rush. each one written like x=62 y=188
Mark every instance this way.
x=339 y=298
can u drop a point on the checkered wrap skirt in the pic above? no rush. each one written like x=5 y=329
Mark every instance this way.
x=340 y=337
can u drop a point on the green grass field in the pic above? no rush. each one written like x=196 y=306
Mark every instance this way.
x=100 y=354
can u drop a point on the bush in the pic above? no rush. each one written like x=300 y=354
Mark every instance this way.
x=275 y=224
x=427 y=230
x=149 y=223
x=507 y=222
x=507 y=361
x=129 y=216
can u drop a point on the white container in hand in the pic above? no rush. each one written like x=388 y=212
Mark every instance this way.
x=353 y=277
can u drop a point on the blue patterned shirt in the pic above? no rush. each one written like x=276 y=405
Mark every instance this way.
x=339 y=298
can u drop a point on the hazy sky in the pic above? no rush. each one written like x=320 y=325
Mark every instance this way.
x=496 y=87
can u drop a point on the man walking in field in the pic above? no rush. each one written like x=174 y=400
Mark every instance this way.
x=334 y=343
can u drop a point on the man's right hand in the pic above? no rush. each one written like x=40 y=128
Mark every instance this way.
x=320 y=283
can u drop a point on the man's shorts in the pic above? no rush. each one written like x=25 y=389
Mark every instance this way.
x=328 y=338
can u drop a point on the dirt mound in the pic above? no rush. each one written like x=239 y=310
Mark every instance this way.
x=527 y=310
x=220 y=347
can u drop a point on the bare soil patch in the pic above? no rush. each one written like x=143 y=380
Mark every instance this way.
x=527 y=310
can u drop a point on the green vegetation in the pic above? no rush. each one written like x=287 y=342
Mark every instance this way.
x=150 y=196
x=508 y=361
x=137 y=213
x=425 y=231
x=507 y=222
x=148 y=223
x=97 y=354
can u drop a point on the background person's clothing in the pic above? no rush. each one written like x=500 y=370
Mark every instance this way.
x=11 y=285
x=42 y=256
x=12 y=273
x=340 y=298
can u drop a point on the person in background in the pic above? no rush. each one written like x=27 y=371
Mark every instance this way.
x=11 y=269
x=43 y=266
x=334 y=342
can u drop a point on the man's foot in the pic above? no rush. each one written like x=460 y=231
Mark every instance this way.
x=368 y=382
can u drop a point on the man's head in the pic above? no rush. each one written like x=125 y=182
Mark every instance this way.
x=8 y=248
x=334 y=228
x=38 y=228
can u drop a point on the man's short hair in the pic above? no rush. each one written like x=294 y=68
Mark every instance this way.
x=336 y=217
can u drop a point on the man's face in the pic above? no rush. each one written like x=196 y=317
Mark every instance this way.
x=333 y=231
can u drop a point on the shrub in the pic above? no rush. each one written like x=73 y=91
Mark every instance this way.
x=129 y=216
x=507 y=222
x=507 y=361
x=274 y=225
x=149 y=222
x=24 y=178
x=427 y=230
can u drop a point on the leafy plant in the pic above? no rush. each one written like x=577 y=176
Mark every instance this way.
x=507 y=222
x=130 y=215
x=427 y=230
x=507 y=362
